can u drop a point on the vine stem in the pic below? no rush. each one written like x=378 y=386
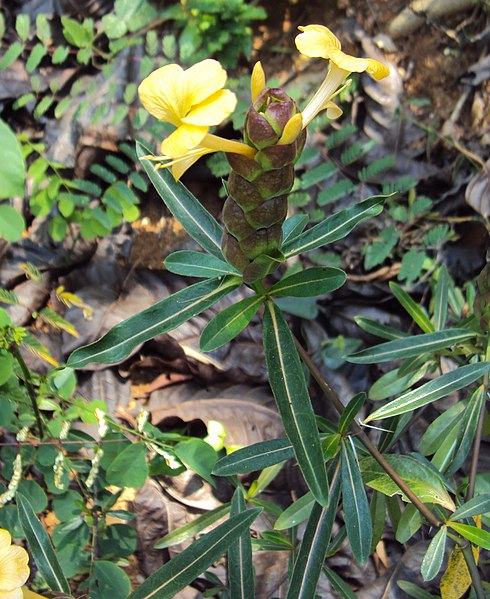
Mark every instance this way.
x=30 y=388
x=377 y=455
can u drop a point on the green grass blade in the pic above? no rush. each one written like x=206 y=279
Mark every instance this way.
x=240 y=568
x=355 y=505
x=181 y=570
x=432 y=562
x=41 y=548
x=334 y=227
x=408 y=347
x=187 y=209
x=431 y=391
x=289 y=387
x=119 y=342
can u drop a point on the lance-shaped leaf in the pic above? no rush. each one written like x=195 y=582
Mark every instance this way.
x=416 y=311
x=296 y=513
x=411 y=346
x=419 y=475
x=293 y=226
x=40 y=547
x=441 y=298
x=226 y=325
x=434 y=556
x=311 y=555
x=343 y=589
x=198 y=264
x=350 y=412
x=187 y=209
x=309 y=283
x=334 y=227
x=431 y=391
x=240 y=568
x=476 y=535
x=193 y=528
x=474 y=507
x=357 y=514
x=288 y=384
x=379 y=330
x=119 y=342
x=254 y=457
x=181 y=570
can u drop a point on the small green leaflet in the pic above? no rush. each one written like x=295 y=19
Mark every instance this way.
x=409 y=347
x=431 y=391
x=254 y=457
x=296 y=513
x=432 y=562
x=121 y=340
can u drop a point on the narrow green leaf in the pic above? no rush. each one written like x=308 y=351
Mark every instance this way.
x=411 y=520
x=343 y=589
x=441 y=295
x=240 y=567
x=23 y=26
x=380 y=330
x=37 y=54
x=254 y=457
x=432 y=562
x=14 y=51
x=474 y=507
x=351 y=411
x=191 y=214
x=311 y=556
x=415 y=591
x=181 y=570
x=296 y=513
x=355 y=505
x=409 y=347
x=163 y=316
x=226 y=325
x=309 y=283
x=335 y=227
x=469 y=425
x=377 y=508
x=41 y=547
x=476 y=535
x=433 y=390
x=416 y=311
x=293 y=226
x=12 y=165
x=193 y=528
x=289 y=387
x=198 y=264
x=439 y=428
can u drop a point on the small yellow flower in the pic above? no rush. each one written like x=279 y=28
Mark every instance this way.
x=317 y=41
x=14 y=570
x=193 y=100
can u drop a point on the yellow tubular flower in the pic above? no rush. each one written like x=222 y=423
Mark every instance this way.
x=193 y=101
x=317 y=41
x=14 y=570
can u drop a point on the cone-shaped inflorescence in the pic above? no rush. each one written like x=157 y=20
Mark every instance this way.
x=257 y=203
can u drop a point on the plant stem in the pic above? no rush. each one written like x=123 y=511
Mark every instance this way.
x=30 y=388
x=364 y=439
x=472 y=568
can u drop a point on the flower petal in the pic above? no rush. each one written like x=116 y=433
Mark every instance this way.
x=203 y=80
x=15 y=594
x=316 y=41
x=28 y=594
x=14 y=570
x=333 y=111
x=212 y=111
x=257 y=82
x=163 y=95
x=184 y=138
x=5 y=542
x=180 y=165
x=377 y=69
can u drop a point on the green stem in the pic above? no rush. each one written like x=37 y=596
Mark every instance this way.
x=469 y=558
x=30 y=388
x=364 y=439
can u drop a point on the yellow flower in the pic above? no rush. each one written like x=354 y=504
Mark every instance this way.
x=317 y=41
x=193 y=101
x=14 y=570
